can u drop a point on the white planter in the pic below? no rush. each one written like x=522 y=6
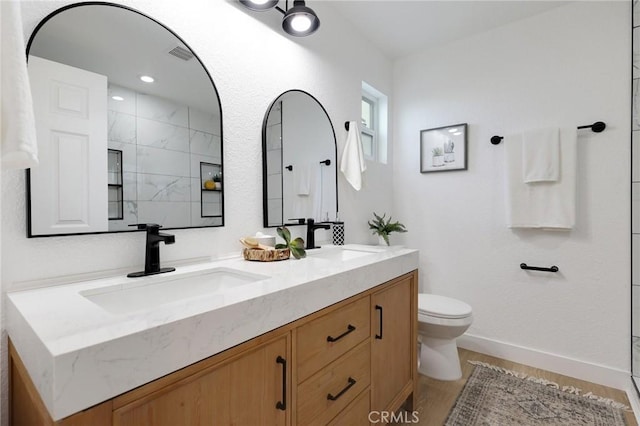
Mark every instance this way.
x=438 y=160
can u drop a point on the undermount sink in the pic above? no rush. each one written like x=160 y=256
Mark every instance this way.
x=131 y=296
x=342 y=253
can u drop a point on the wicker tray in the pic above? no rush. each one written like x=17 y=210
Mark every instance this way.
x=265 y=255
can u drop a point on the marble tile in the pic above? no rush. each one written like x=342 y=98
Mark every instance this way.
x=164 y=110
x=130 y=218
x=274 y=137
x=636 y=52
x=274 y=162
x=162 y=135
x=275 y=114
x=636 y=13
x=128 y=155
x=635 y=117
x=274 y=207
x=197 y=159
x=274 y=186
x=203 y=121
x=635 y=259
x=635 y=310
x=635 y=350
x=166 y=213
x=635 y=168
x=129 y=186
x=635 y=208
x=127 y=106
x=206 y=144
x=122 y=127
x=163 y=188
x=197 y=220
x=162 y=162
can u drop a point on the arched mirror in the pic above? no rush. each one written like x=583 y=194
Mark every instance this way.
x=129 y=126
x=299 y=161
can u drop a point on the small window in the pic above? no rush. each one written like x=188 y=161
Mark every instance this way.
x=368 y=128
x=374 y=124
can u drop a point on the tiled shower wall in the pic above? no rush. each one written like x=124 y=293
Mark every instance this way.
x=635 y=197
x=274 y=165
x=162 y=144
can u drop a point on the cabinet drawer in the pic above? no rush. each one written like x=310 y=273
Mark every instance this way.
x=324 y=339
x=356 y=414
x=330 y=390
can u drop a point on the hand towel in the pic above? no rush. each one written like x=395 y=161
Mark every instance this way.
x=352 y=162
x=541 y=155
x=302 y=179
x=18 y=137
x=544 y=205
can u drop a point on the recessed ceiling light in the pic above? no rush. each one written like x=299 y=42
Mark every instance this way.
x=117 y=98
x=147 y=78
x=457 y=133
x=453 y=130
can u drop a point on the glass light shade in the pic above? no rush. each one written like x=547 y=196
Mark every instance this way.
x=259 y=5
x=300 y=20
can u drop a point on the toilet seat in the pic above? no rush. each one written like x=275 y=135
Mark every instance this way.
x=442 y=307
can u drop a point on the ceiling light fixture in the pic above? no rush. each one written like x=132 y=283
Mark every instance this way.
x=259 y=5
x=117 y=98
x=298 y=21
x=147 y=78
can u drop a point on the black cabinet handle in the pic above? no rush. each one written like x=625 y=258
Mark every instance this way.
x=282 y=405
x=350 y=328
x=379 y=308
x=553 y=268
x=351 y=381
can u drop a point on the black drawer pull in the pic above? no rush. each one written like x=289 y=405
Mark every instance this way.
x=379 y=308
x=350 y=328
x=282 y=405
x=352 y=382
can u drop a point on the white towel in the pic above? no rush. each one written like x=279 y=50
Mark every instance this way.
x=547 y=205
x=541 y=155
x=18 y=137
x=352 y=162
x=302 y=179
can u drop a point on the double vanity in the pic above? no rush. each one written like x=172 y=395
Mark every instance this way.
x=324 y=339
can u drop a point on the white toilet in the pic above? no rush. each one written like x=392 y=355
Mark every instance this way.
x=440 y=321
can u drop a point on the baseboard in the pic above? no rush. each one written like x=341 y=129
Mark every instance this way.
x=594 y=373
x=634 y=400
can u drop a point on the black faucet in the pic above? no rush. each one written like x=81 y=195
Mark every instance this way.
x=152 y=250
x=311 y=235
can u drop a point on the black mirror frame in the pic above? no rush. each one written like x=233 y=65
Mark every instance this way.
x=265 y=210
x=104 y=3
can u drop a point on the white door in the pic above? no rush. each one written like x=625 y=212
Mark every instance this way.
x=69 y=189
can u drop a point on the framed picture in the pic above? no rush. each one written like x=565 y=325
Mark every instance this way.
x=443 y=149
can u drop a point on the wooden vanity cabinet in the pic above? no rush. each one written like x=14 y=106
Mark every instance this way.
x=333 y=367
x=393 y=344
x=248 y=389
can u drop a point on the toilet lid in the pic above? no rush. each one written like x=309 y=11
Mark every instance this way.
x=442 y=307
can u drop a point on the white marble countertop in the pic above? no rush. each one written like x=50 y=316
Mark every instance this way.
x=79 y=354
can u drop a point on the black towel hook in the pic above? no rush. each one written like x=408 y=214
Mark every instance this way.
x=346 y=125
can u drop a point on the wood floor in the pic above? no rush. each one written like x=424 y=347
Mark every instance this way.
x=437 y=397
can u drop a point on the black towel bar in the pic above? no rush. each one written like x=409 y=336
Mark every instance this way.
x=596 y=127
x=553 y=268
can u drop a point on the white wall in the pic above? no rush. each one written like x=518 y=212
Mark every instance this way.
x=567 y=67
x=251 y=64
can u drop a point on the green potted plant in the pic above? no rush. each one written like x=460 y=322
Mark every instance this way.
x=296 y=246
x=383 y=228
x=438 y=157
x=217 y=178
